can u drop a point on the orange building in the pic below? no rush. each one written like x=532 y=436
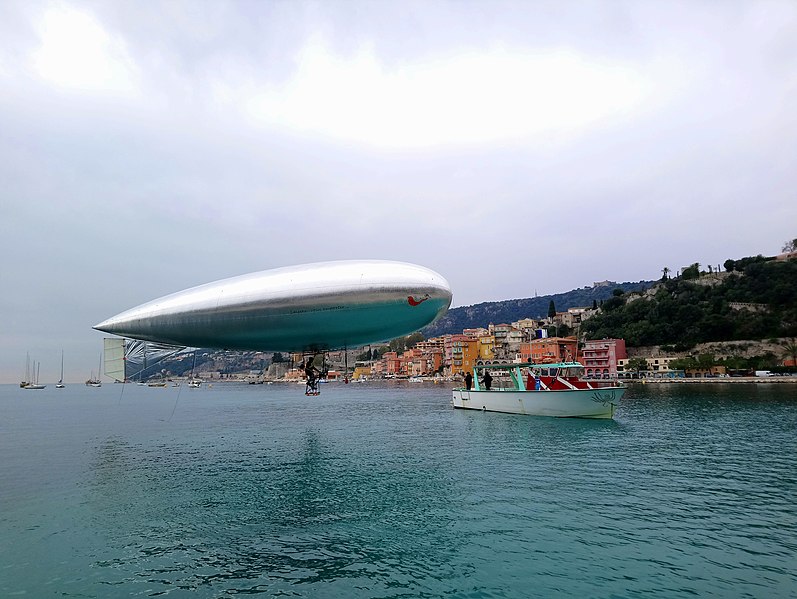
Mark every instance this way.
x=550 y=349
x=464 y=353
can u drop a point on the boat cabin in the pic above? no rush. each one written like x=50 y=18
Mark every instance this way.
x=558 y=376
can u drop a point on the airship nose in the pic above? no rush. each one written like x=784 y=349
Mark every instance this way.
x=110 y=325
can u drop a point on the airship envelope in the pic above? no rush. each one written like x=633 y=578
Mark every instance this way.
x=312 y=307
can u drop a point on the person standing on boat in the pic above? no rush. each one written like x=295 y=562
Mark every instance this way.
x=487 y=380
x=468 y=380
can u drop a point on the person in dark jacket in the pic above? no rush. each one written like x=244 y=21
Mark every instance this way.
x=468 y=380
x=312 y=380
x=487 y=380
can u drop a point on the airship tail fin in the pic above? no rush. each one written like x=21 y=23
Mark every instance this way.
x=130 y=359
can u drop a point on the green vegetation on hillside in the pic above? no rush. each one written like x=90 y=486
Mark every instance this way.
x=685 y=311
x=481 y=315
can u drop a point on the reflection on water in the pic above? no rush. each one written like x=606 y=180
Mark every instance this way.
x=388 y=492
x=252 y=514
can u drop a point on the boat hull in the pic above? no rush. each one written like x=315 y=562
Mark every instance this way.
x=311 y=307
x=571 y=403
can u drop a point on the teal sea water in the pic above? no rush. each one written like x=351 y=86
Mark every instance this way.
x=386 y=491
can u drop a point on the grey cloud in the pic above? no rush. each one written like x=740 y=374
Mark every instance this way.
x=111 y=200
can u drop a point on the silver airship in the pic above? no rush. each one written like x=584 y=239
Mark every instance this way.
x=312 y=307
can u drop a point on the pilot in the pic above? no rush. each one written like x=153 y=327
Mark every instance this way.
x=312 y=385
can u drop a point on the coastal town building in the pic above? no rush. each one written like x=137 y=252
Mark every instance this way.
x=527 y=326
x=486 y=347
x=658 y=365
x=361 y=371
x=600 y=357
x=550 y=349
x=465 y=352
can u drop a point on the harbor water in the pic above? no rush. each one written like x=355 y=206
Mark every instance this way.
x=384 y=490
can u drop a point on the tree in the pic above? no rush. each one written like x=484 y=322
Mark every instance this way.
x=551 y=310
x=683 y=364
x=399 y=344
x=277 y=357
x=594 y=304
x=691 y=272
x=637 y=365
x=790 y=349
x=706 y=361
x=665 y=272
x=790 y=246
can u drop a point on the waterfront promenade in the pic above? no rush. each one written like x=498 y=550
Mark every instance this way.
x=720 y=380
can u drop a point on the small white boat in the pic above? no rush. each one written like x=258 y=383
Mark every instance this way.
x=194 y=382
x=92 y=382
x=26 y=379
x=34 y=383
x=540 y=390
x=60 y=383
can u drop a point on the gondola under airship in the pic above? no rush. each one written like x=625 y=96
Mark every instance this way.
x=312 y=307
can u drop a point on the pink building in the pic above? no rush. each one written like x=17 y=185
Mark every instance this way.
x=392 y=363
x=600 y=356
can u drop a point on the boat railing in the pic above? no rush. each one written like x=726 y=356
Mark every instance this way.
x=561 y=376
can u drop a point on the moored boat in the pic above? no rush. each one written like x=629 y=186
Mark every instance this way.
x=539 y=390
x=60 y=383
x=34 y=378
x=95 y=382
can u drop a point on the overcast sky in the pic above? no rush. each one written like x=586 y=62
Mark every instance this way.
x=514 y=147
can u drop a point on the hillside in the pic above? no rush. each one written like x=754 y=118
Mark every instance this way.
x=506 y=311
x=755 y=299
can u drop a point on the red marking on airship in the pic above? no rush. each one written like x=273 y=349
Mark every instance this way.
x=417 y=302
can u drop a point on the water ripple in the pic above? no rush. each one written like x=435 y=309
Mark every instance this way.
x=391 y=493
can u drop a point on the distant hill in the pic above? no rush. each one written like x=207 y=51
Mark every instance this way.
x=756 y=298
x=506 y=311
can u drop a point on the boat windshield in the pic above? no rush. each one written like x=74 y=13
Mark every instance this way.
x=566 y=369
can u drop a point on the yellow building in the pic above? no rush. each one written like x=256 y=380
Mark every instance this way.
x=361 y=372
x=486 y=347
x=464 y=353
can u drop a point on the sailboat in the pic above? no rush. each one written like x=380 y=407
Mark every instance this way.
x=60 y=383
x=34 y=383
x=26 y=378
x=192 y=382
x=92 y=382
